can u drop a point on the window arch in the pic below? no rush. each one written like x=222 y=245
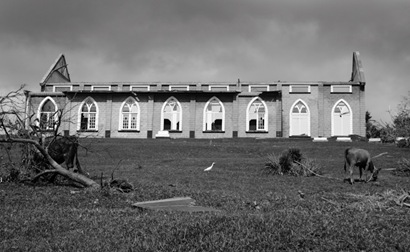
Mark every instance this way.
x=299 y=119
x=171 y=115
x=214 y=115
x=47 y=114
x=257 y=115
x=342 y=119
x=129 y=115
x=88 y=115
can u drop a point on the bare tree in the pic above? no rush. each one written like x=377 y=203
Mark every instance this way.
x=13 y=126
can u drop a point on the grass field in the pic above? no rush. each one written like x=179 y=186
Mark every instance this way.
x=258 y=212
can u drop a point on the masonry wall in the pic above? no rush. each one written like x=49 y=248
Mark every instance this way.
x=271 y=105
x=311 y=100
x=356 y=103
x=201 y=101
x=320 y=102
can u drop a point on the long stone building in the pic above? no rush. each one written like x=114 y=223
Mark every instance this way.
x=199 y=109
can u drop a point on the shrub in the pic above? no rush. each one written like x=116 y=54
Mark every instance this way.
x=403 y=169
x=403 y=143
x=387 y=134
x=288 y=158
x=291 y=162
x=272 y=165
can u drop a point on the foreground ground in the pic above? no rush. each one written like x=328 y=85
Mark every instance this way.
x=257 y=211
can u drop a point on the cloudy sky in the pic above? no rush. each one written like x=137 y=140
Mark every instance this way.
x=212 y=40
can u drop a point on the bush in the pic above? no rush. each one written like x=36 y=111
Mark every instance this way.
x=272 y=166
x=403 y=169
x=403 y=143
x=291 y=162
x=387 y=134
x=288 y=158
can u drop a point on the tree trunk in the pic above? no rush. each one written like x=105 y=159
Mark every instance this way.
x=77 y=177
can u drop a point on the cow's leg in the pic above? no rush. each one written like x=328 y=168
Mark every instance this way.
x=350 y=178
x=351 y=174
x=360 y=173
x=345 y=168
x=366 y=171
x=348 y=167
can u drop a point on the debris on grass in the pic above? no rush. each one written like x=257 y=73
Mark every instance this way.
x=403 y=200
x=181 y=204
x=122 y=185
x=368 y=202
x=293 y=163
x=404 y=168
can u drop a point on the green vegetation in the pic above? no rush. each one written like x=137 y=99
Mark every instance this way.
x=398 y=128
x=258 y=211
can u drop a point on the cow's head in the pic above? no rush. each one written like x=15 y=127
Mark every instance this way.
x=374 y=171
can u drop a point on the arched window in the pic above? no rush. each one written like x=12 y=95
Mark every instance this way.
x=130 y=115
x=341 y=119
x=257 y=116
x=48 y=114
x=299 y=119
x=214 y=115
x=88 y=115
x=171 y=115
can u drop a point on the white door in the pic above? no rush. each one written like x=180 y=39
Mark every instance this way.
x=299 y=120
x=342 y=120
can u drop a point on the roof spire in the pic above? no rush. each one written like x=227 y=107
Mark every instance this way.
x=357 y=69
x=58 y=72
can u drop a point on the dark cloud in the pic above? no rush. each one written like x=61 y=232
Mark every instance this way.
x=216 y=40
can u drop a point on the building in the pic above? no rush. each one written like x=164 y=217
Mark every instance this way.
x=199 y=110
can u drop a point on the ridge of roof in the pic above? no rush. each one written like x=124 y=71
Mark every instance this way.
x=54 y=68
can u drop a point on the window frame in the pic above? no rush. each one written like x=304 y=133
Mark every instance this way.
x=62 y=86
x=178 y=116
x=49 y=114
x=133 y=101
x=210 y=87
x=257 y=86
x=206 y=113
x=80 y=113
x=170 y=87
x=94 y=87
x=291 y=91
x=137 y=86
x=341 y=92
x=265 y=123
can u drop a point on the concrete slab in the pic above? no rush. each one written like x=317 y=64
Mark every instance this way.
x=375 y=140
x=320 y=139
x=182 y=204
x=343 y=139
x=162 y=134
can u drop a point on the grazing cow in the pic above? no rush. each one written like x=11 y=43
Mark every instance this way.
x=64 y=149
x=360 y=158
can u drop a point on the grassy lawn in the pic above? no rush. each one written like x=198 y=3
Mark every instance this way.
x=257 y=211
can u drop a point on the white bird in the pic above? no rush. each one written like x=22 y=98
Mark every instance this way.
x=210 y=167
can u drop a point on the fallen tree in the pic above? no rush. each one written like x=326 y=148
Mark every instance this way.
x=57 y=168
x=13 y=124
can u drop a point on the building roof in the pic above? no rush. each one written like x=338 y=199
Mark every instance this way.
x=59 y=68
x=357 y=69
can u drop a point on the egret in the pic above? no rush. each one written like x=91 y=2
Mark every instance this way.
x=210 y=167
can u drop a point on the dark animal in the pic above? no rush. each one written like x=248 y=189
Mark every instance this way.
x=64 y=149
x=360 y=158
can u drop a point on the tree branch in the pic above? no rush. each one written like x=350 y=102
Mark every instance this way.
x=77 y=177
